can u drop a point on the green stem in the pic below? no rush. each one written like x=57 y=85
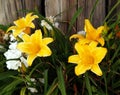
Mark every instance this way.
x=106 y=88
x=88 y=84
x=45 y=31
x=110 y=12
x=93 y=10
x=116 y=53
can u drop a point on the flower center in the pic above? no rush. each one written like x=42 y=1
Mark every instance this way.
x=27 y=30
x=88 y=60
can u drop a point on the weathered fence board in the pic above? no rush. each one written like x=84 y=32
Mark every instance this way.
x=10 y=9
x=70 y=6
x=55 y=7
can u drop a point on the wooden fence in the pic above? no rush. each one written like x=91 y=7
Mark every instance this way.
x=10 y=10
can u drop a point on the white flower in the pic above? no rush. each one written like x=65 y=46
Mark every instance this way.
x=12 y=54
x=33 y=90
x=44 y=23
x=12 y=38
x=56 y=24
x=51 y=19
x=33 y=80
x=42 y=80
x=83 y=33
x=13 y=64
x=24 y=61
x=13 y=45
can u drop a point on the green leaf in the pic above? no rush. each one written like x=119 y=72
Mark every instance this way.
x=61 y=83
x=88 y=85
x=9 y=89
x=46 y=80
x=112 y=9
x=4 y=27
x=52 y=87
x=7 y=74
x=22 y=92
x=115 y=54
x=116 y=84
x=93 y=9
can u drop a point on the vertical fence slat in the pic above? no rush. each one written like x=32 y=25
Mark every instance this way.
x=10 y=10
x=70 y=6
x=7 y=12
x=80 y=20
x=111 y=3
x=55 y=7
x=99 y=13
x=98 y=16
x=67 y=9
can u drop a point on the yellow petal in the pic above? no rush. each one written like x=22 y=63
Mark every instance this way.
x=47 y=40
x=30 y=59
x=80 y=69
x=99 y=30
x=25 y=47
x=20 y=22
x=98 y=54
x=92 y=33
x=17 y=32
x=44 y=51
x=93 y=44
x=76 y=36
x=88 y=26
x=74 y=59
x=84 y=41
x=36 y=37
x=29 y=17
x=11 y=28
x=31 y=25
x=26 y=38
x=79 y=48
x=96 y=69
x=101 y=41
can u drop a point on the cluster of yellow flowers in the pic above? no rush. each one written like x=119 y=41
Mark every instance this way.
x=88 y=56
x=33 y=45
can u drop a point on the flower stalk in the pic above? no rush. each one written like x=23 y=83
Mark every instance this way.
x=88 y=86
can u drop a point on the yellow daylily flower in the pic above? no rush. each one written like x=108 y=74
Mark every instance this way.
x=88 y=58
x=23 y=24
x=92 y=33
x=34 y=46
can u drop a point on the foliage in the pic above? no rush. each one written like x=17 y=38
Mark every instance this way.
x=54 y=74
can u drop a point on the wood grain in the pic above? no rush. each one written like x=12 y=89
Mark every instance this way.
x=62 y=9
x=10 y=10
x=54 y=7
